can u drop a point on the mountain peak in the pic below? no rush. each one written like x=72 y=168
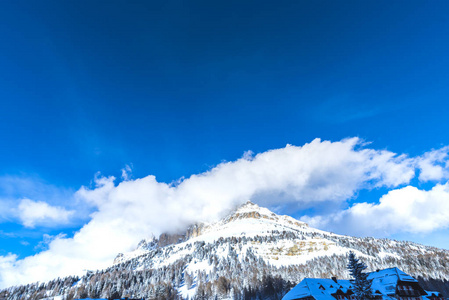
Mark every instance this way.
x=248 y=206
x=249 y=210
x=247 y=220
x=248 y=203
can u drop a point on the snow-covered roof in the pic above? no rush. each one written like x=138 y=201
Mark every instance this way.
x=319 y=288
x=433 y=293
x=385 y=281
x=401 y=275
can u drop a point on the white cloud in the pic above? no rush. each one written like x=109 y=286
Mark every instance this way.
x=126 y=172
x=32 y=213
x=434 y=165
x=318 y=172
x=32 y=187
x=6 y=209
x=248 y=155
x=408 y=209
x=15 y=188
x=46 y=240
x=7 y=264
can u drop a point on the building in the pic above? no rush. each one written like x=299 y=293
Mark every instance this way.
x=387 y=284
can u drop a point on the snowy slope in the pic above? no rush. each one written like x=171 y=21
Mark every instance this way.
x=251 y=221
x=286 y=241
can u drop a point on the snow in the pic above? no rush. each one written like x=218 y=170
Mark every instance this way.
x=433 y=293
x=319 y=288
x=185 y=292
x=384 y=281
x=250 y=220
x=196 y=266
x=384 y=254
x=61 y=297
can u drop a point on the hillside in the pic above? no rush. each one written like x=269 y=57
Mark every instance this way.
x=251 y=252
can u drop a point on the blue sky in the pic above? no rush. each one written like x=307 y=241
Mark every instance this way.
x=173 y=89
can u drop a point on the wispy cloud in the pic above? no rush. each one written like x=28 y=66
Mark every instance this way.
x=32 y=213
x=434 y=165
x=33 y=187
x=32 y=202
x=7 y=234
x=6 y=209
x=46 y=240
x=126 y=172
x=343 y=109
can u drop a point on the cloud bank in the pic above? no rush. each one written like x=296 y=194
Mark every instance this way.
x=318 y=172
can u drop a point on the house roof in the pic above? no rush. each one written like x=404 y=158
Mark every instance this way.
x=319 y=288
x=433 y=293
x=385 y=281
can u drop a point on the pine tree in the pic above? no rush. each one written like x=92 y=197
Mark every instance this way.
x=360 y=282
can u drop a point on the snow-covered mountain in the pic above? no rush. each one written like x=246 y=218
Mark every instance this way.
x=250 y=253
x=278 y=240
